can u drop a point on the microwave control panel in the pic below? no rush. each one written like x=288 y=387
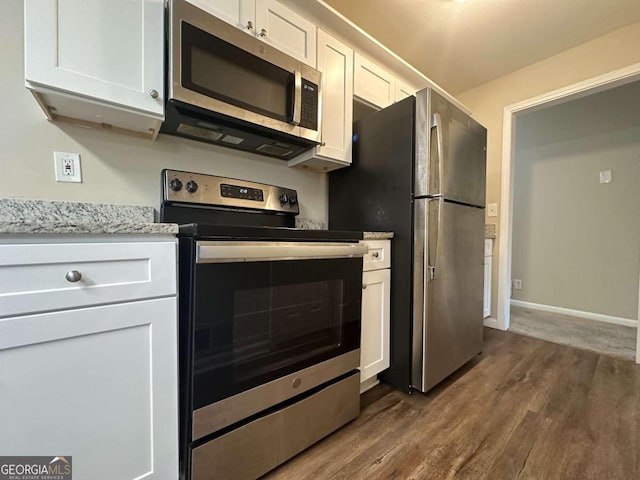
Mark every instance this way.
x=309 y=109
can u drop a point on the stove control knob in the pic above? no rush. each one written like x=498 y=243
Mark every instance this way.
x=293 y=200
x=284 y=199
x=191 y=186
x=175 y=185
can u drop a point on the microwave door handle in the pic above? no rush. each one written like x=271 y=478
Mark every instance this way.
x=297 y=97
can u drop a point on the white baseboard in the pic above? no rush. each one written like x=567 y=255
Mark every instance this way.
x=627 y=322
x=491 y=322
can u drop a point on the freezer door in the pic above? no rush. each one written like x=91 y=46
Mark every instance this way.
x=450 y=151
x=448 y=280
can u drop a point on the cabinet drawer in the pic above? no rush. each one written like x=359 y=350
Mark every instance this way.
x=40 y=277
x=379 y=255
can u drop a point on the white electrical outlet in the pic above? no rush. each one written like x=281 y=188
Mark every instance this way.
x=492 y=210
x=67 y=167
x=605 y=176
x=517 y=284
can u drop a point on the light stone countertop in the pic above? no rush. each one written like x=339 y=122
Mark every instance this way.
x=377 y=235
x=489 y=231
x=22 y=216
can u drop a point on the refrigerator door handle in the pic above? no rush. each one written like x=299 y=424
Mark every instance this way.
x=433 y=236
x=436 y=123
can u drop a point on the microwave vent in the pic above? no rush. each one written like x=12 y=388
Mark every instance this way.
x=198 y=132
x=275 y=149
x=231 y=139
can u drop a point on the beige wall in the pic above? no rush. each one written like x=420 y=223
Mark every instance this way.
x=602 y=55
x=115 y=168
x=576 y=242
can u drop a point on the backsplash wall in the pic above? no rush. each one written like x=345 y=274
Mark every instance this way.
x=115 y=168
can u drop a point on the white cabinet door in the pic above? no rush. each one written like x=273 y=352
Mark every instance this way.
x=374 y=348
x=488 y=260
x=286 y=30
x=373 y=83
x=239 y=13
x=402 y=90
x=98 y=384
x=106 y=50
x=335 y=61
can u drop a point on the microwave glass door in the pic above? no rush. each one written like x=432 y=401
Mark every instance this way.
x=258 y=321
x=220 y=70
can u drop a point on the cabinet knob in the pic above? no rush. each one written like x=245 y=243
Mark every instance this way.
x=263 y=32
x=153 y=93
x=249 y=25
x=375 y=254
x=73 y=276
x=364 y=286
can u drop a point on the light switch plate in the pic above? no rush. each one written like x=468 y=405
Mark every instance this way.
x=67 y=167
x=492 y=210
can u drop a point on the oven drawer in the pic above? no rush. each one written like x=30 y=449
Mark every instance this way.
x=45 y=277
x=250 y=451
x=378 y=256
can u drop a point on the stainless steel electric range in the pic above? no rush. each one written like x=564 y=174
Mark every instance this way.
x=269 y=325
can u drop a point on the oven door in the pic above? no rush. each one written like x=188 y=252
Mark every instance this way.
x=271 y=320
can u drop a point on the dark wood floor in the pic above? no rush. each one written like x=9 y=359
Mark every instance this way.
x=524 y=409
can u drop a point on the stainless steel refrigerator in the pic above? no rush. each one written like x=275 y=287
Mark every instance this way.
x=419 y=170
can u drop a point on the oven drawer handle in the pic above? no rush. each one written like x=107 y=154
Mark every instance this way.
x=222 y=252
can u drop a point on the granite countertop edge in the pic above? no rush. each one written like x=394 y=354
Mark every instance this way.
x=20 y=216
x=18 y=227
x=377 y=235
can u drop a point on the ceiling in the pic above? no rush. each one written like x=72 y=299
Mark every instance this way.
x=461 y=45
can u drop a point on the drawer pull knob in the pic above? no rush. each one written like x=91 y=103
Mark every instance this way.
x=73 y=276
x=375 y=254
x=364 y=286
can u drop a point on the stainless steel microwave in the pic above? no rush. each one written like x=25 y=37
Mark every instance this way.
x=232 y=89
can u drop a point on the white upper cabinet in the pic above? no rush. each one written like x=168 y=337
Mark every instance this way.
x=105 y=52
x=286 y=30
x=270 y=21
x=372 y=83
x=240 y=13
x=402 y=90
x=335 y=61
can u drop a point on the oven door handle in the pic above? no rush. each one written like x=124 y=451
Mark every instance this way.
x=229 y=251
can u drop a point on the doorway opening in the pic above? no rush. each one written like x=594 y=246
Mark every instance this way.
x=513 y=116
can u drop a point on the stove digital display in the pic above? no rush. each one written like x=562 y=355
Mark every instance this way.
x=245 y=193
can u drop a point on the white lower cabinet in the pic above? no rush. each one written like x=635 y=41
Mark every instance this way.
x=376 y=289
x=95 y=383
x=488 y=260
